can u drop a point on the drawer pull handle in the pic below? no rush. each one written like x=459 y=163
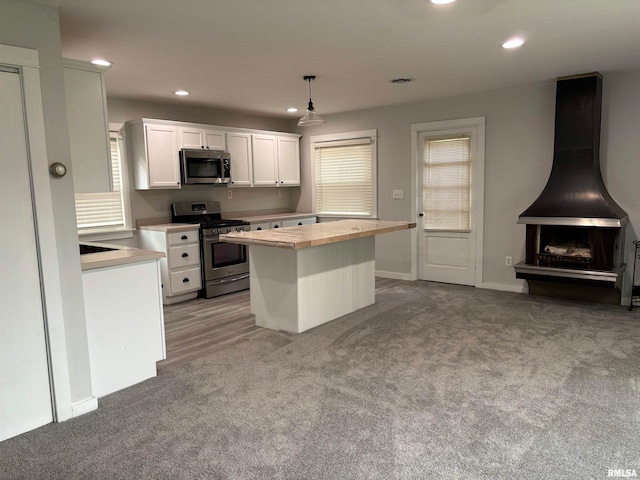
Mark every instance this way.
x=183 y=237
x=185 y=280
x=185 y=255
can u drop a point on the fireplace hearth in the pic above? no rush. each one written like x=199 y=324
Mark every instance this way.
x=575 y=230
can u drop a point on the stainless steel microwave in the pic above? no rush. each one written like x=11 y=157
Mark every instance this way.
x=205 y=167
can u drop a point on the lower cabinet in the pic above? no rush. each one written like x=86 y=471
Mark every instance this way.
x=125 y=324
x=282 y=223
x=180 y=270
x=299 y=221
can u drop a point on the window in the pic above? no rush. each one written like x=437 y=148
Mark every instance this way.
x=105 y=211
x=345 y=174
x=447 y=163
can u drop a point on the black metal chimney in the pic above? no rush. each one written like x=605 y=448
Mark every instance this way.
x=575 y=194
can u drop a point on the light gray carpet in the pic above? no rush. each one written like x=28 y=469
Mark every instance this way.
x=433 y=381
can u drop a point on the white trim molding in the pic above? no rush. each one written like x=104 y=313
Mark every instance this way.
x=84 y=406
x=503 y=287
x=394 y=275
x=478 y=123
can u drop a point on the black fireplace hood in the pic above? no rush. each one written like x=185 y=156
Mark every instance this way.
x=575 y=194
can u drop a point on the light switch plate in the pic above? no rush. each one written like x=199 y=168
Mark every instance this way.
x=398 y=194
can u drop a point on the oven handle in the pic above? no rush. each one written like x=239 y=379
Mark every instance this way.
x=232 y=279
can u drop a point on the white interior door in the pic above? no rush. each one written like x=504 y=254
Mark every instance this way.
x=450 y=158
x=25 y=397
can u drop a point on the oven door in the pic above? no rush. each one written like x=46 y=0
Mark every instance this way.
x=222 y=259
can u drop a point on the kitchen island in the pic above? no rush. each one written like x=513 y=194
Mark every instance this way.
x=304 y=276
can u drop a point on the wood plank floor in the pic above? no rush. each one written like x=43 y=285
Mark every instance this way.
x=199 y=327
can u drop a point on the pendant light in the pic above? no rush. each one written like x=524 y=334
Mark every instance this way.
x=311 y=118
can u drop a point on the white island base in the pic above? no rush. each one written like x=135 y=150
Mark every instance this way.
x=295 y=290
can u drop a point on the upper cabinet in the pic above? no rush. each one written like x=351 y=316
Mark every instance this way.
x=258 y=158
x=88 y=126
x=153 y=148
x=276 y=160
x=239 y=148
x=288 y=161
x=194 y=137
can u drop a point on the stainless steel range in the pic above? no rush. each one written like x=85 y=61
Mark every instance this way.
x=225 y=266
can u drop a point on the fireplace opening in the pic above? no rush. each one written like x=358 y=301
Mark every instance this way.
x=577 y=248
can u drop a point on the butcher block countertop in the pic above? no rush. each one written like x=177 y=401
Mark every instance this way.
x=306 y=236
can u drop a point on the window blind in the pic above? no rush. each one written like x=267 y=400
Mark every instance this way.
x=103 y=209
x=447 y=168
x=343 y=177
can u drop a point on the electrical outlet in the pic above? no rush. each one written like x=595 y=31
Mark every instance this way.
x=229 y=194
x=279 y=192
x=398 y=194
x=508 y=261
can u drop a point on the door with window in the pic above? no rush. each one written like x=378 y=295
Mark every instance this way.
x=450 y=173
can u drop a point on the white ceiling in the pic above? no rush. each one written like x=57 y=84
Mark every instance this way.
x=251 y=55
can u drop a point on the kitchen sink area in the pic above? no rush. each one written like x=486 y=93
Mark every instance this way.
x=86 y=248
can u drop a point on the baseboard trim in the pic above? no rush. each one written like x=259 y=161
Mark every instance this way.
x=394 y=275
x=84 y=406
x=504 y=287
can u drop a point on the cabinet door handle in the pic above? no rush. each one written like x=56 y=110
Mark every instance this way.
x=183 y=237
x=276 y=182
x=185 y=280
x=185 y=255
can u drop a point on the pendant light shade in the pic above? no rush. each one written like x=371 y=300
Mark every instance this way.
x=311 y=118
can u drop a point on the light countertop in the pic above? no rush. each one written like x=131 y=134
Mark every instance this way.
x=315 y=234
x=170 y=227
x=121 y=255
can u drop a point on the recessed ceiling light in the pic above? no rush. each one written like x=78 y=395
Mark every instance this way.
x=292 y=109
x=513 y=43
x=402 y=80
x=442 y=2
x=101 y=62
x=182 y=93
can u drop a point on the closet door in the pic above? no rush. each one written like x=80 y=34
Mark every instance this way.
x=25 y=396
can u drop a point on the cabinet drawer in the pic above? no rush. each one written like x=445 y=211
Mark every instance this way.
x=298 y=221
x=185 y=280
x=184 y=256
x=178 y=238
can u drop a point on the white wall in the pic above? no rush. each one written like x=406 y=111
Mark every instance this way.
x=519 y=151
x=36 y=26
x=620 y=153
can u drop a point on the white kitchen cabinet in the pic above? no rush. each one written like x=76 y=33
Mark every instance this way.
x=260 y=226
x=265 y=160
x=239 y=148
x=153 y=148
x=194 y=137
x=276 y=160
x=180 y=270
x=125 y=324
x=86 y=103
x=288 y=161
x=299 y=221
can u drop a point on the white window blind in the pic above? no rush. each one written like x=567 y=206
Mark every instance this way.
x=103 y=209
x=447 y=165
x=344 y=177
